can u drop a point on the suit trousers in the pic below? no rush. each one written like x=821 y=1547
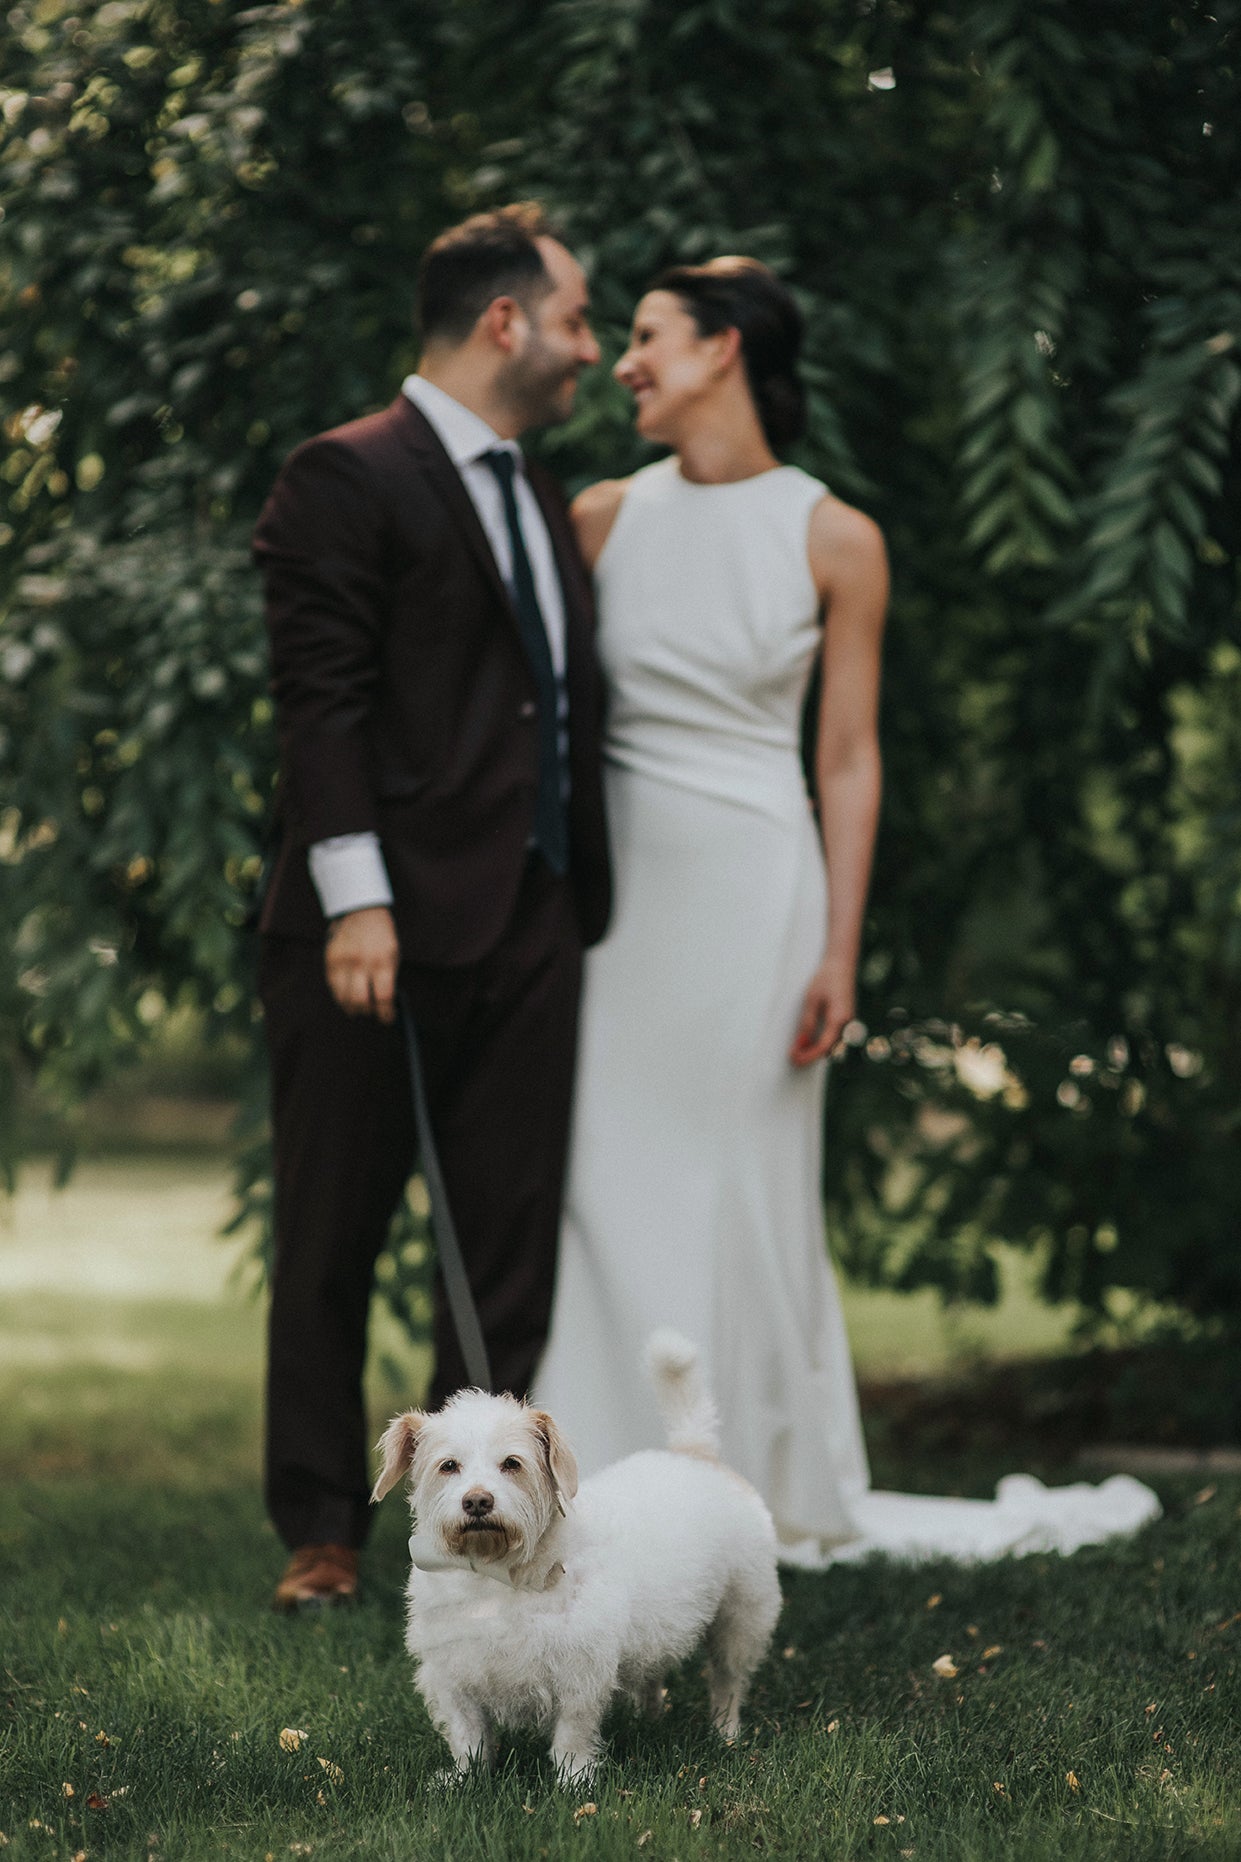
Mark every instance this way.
x=498 y=1039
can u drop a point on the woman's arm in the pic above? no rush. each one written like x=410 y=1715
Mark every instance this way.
x=594 y=512
x=849 y=566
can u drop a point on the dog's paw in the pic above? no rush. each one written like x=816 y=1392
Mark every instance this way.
x=452 y=1777
x=575 y=1770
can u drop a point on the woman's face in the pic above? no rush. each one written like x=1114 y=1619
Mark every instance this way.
x=669 y=368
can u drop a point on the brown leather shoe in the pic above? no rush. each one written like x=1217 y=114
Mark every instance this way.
x=317 y=1575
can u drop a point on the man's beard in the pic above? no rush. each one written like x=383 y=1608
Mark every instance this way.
x=538 y=385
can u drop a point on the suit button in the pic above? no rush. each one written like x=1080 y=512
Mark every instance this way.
x=527 y=709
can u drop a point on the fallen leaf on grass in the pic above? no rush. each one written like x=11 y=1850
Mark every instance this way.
x=833 y=1726
x=645 y=1838
x=1072 y=1780
x=883 y=1819
x=989 y=1655
x=944 y=1667
x=67 y=1789
x=1208 y=1493
x=291 y=1738
x=695 y=1818
x=95 y=1802
x=585 y=1810
x=934 y=1600
x=333 y=1771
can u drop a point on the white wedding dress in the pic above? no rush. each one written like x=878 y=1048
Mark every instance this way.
x=693 y=1196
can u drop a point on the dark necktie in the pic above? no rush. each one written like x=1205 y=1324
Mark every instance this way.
x=551 y=832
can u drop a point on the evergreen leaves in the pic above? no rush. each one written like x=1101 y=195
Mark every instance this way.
x=1016 y=233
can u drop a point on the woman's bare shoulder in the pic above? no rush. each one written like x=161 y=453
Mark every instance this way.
x=594 y=512
x=845 y=545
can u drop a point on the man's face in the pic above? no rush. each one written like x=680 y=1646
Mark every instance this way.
x=555 y=346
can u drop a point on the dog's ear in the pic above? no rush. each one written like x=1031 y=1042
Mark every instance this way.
x=396 y=1448
x=560 y=1459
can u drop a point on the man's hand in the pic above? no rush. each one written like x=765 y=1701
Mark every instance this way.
x=361 y=962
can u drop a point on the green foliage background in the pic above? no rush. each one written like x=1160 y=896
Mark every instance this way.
x=1016 y=231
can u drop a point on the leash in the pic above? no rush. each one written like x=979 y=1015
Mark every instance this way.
x=447 y=1247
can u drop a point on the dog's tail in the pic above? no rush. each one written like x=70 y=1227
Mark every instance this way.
x=684 y=1400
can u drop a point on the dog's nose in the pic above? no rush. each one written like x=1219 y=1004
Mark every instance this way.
x=477 y=1503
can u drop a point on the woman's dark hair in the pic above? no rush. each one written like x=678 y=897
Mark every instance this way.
x=741 y=294
x=489 y=255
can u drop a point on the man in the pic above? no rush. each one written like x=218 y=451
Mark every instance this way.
x=441 y=832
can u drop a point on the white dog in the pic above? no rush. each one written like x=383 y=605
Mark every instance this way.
x=600 y=1591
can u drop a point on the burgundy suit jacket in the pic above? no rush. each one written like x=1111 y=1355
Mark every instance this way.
x=404 y=700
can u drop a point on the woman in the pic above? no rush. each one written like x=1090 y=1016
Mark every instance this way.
x=729 y=973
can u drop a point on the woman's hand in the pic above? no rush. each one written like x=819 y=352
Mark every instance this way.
x=827 y=1008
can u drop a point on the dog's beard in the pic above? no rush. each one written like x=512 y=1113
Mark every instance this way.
x=484 y=1543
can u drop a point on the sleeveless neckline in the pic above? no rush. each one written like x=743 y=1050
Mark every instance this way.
x=723 y=484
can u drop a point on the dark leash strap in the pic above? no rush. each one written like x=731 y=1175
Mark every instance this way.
x=447 y=1247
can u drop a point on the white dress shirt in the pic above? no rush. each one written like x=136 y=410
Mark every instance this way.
x=348 y=870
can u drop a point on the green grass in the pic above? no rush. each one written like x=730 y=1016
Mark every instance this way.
x=140 y=1667
x=126 y=1226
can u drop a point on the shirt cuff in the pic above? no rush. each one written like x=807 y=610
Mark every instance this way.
x=349 y=874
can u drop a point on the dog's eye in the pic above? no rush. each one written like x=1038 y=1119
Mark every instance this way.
x=450 y=1467
x=510 y=1465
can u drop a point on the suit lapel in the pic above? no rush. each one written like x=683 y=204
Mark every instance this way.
x=573 y=581
x=581 y=668
x=424 y=442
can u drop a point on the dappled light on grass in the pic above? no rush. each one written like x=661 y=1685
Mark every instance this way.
x=1095 y=1735
x=131 y=1228
x=129 y=1342
x=1060 y=1710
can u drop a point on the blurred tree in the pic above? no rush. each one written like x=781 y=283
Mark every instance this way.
x=1017 y=236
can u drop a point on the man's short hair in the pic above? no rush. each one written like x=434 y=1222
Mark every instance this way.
x=489 y=255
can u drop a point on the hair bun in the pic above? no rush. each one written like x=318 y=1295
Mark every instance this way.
x=781 y=403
